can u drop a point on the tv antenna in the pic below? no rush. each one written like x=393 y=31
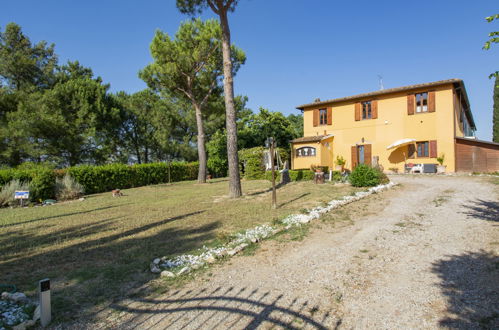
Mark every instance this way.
x=380 y=78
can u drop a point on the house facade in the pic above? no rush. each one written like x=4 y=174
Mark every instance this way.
x=393 y=127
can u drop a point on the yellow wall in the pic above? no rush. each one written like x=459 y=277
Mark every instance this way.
x=305 y=162
x=393 y=123
x=323 y=154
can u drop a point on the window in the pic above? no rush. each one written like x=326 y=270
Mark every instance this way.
x=423 y=149
x=360 y=154
x=422 y=102
x=305 y=152
x=367 y=110
x=322 y=117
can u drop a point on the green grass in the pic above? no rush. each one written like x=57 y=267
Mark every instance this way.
x=97 y=250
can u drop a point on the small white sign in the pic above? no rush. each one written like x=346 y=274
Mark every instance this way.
x=21 y=195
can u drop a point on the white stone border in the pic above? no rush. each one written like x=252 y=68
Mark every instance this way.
x=190 y=262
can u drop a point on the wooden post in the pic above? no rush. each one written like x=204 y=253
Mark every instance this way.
x=274 y=197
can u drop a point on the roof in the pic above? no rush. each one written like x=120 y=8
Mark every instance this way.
x=458 y=82
x=491 y=143
x=316 y=138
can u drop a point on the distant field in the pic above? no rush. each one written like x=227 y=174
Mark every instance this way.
x=96 y=250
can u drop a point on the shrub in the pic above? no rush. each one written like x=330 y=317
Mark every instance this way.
x=67 y=188
x=268 y=176
x=42 y=184
x=40 y=179
x=366 y=176
x=299 y=175
x=217 y=166
x=7 y=192
x=252 y=160
x=337 y=176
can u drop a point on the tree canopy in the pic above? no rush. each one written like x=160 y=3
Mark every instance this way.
x=190 y=66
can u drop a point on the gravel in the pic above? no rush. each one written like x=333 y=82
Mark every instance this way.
x=423 y=255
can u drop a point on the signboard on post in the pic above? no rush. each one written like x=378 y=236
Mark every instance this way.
x=21 y=195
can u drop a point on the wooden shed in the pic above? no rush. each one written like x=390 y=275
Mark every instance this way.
x=476 y=155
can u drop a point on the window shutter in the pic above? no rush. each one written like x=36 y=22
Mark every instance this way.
x=433 y=149
x=329 y=116
x=374 y=109
x=354 y=157
x=411 y=103
x=431 y=101
x=367 y=154
x=357 y=111
x=316 y=117
x=411 y=151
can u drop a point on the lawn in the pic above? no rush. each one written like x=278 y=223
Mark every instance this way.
x=98 y=249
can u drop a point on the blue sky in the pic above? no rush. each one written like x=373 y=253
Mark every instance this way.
x=297 y=50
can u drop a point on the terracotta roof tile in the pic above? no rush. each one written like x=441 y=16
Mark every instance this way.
x=381 y=92
x=316 y=138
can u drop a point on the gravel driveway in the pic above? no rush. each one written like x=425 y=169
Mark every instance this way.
x=423 y=255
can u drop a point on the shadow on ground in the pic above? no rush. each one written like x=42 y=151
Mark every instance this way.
x=225 y=308
x=483 y=210
x=93 y=271
x=470 y=282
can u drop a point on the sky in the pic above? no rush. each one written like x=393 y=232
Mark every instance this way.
x=297 y=50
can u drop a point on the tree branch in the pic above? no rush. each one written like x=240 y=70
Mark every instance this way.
x=212 y=87
x=213 y=7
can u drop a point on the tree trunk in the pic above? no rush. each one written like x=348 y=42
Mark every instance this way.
x=230 y=111
x=201 y=146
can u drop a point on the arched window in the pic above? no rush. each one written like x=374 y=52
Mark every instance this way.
x=305 y=152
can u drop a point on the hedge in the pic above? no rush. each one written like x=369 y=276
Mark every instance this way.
x=300 y=175
x=102 y=178
x=97 y=179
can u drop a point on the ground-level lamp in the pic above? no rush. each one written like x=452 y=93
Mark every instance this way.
x=270 y=144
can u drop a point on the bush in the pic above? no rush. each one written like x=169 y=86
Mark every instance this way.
x=252 y=161
x=268 y=176
x=8 y=190
x=67 y=188
x=299 y=175
x=217 y=166
x=366 y=176
x=337 y=176
x=40 y=179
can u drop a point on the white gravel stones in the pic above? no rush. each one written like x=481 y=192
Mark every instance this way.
x=14 y=309
x=166 y=273
x=315 y=213
x=155 y=269
x=184 y=270
x=254 y=235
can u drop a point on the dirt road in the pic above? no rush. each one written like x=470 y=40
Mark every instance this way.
x=423 y=255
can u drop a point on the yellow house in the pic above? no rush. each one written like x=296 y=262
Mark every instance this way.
x=394 y=127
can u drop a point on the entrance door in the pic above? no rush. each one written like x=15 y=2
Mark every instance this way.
x=361 y=154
